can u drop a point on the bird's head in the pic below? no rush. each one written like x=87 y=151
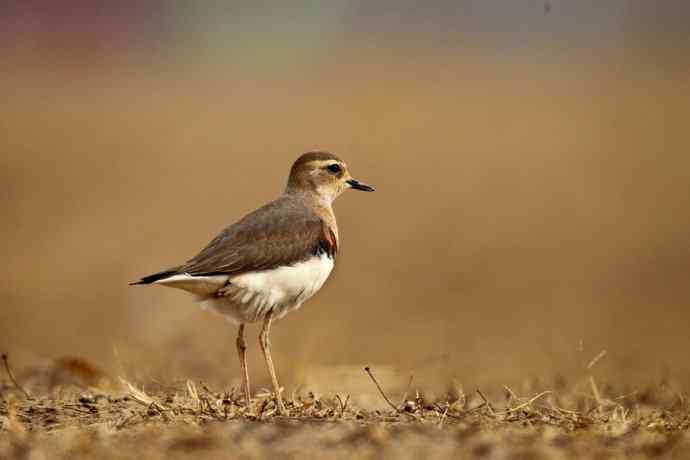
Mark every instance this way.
x=324 y=175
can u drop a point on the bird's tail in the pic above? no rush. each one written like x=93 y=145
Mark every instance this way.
x=155 y=277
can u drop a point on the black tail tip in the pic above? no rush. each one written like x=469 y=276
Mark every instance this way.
x=153 y=278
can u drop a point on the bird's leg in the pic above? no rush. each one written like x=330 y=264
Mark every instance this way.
x=266 y=348
x=242 y=352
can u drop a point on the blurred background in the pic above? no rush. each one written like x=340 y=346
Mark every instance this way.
x=531 y=161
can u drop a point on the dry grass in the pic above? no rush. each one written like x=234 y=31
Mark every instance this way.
x=192 y=419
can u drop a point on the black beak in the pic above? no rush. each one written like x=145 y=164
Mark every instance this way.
x=357 y=185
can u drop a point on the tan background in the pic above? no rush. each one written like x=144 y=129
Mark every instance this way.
x=532 y=169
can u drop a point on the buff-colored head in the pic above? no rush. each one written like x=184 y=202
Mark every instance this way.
x=322 y=174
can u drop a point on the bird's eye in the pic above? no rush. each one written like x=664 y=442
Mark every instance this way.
x=334 y=168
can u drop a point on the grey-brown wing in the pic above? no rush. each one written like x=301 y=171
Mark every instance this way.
x=281 y=233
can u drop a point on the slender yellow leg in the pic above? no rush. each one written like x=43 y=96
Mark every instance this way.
x=242 y=352
x=266 y=348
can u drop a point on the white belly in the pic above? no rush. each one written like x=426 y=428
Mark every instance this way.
x=249 y=297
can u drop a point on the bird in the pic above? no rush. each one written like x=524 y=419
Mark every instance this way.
x=271 y=261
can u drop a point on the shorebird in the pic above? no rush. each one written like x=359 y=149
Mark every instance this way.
x=271 y=261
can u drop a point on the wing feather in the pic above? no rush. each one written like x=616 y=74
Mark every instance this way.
x=280 y=233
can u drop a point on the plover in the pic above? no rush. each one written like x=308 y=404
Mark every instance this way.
x=272 y=260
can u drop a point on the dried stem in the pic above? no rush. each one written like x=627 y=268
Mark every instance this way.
x=486 y=401
x=407 y=390
x=368 y=371
x=6 y=362
x=597 y=395
x=525 y=404
x=596 y=359
x=343 y=404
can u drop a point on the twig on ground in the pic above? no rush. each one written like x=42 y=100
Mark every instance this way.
x=145 y=400
x=565 y=411
x=512 y=394
x=486 y=402
x=368 y=371
x=597 y=395
x=343 y=404
x=523 y=405
x=191 y=389
x=194 y=394
x=407 y=390
x=462 y=396
x=6 y=362
x=443 y=417
x=262 y=408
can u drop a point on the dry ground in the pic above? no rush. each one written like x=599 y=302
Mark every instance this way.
x=579 y=420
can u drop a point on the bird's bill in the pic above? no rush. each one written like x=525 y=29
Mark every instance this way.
x=357 y=185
